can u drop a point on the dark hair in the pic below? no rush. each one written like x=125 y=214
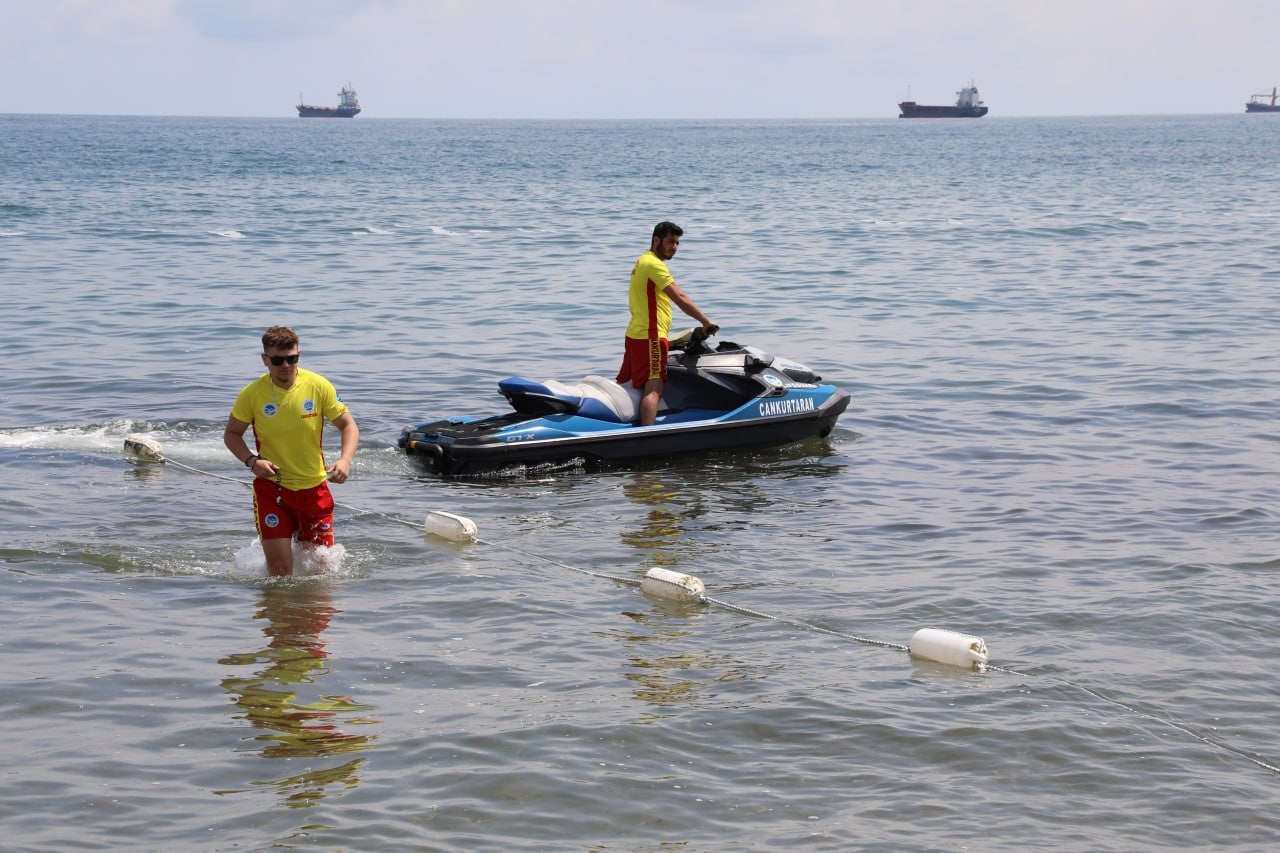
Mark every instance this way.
x=666 y=229
x=279 y=337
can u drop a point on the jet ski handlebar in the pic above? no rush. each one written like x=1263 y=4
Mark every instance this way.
x=692 y=337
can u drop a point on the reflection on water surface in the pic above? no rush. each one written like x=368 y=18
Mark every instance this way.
x=276 y=697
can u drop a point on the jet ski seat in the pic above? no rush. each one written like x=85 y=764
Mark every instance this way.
x=594 y=397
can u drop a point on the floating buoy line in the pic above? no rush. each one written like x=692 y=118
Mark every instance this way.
x=935 y=644
x=939 y=645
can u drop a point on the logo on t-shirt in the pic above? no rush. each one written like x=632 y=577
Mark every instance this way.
x=308 y=405
x=269 y=410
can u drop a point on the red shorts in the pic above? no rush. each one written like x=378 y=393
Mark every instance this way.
x=644 y=360
x=283 y=513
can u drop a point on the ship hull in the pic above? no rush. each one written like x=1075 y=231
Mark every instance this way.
x=910 y=109
x=305 y=111
x=1261 y=108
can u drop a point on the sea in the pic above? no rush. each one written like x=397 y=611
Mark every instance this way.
x=1058 y=335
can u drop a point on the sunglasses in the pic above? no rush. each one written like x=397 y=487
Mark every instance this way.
x=278 y=360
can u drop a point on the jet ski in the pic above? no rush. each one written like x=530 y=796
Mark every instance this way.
x=727 y=397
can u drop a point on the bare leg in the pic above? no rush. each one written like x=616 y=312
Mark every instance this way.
x=649 y=402
x=279 y=554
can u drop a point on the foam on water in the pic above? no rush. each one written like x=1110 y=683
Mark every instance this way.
x=89 y=438
x=308 y=560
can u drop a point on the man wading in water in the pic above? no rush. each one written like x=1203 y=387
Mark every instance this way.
x=287 y=408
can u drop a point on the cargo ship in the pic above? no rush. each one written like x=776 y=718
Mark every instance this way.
x=1268 y=106
x=967 y=105
x=346 y=108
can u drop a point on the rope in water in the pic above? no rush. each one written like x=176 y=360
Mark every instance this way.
x=238 y=481
x=808 y=626
x=705 y=599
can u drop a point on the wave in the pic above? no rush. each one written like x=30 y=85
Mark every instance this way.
x=191 y=443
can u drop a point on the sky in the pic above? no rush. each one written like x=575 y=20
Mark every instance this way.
x=635 y=59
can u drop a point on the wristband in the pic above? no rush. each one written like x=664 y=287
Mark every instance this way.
x=251 y=459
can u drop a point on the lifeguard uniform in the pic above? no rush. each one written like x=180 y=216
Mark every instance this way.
x=287 y=429
x=646 y=344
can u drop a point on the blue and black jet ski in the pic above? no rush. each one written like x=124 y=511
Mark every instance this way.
x=729 y=397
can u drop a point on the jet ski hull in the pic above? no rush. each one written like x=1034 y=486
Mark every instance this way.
x=728 y=398
x=464 y=447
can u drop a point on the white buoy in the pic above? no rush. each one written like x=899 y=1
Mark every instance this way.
x=146 y=449
x=455 y=528
x=949 y=647
x=674 y=586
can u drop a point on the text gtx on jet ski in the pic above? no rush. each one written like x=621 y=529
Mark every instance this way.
x=724 y=398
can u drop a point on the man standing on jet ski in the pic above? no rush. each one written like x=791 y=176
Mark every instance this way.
x=652 y=291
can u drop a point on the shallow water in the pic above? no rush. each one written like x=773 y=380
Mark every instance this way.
x=1062 y=439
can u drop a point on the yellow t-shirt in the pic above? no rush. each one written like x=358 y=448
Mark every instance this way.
x=650 y=305
x=287 y=425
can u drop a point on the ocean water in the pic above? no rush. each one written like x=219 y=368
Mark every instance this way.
x=1058 y=336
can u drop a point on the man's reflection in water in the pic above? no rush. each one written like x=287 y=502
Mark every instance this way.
x=655 y=666
x=658 y=678
x=668 y=662
x=294 y=617
x=662 y=527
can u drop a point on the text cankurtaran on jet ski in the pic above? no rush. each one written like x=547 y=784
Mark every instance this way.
x=788 y=406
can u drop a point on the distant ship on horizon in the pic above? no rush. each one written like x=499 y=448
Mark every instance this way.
x=1256 y=106
x=967 y=105
x=347 y=107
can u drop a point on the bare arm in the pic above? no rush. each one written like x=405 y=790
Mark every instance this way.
x=340 y=470
x=685 y=304
x=233 y=438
